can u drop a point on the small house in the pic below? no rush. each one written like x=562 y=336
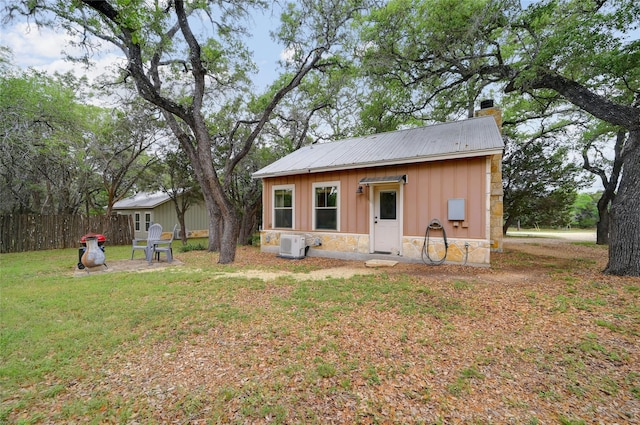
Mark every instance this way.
x=421 y=194
x=157 y=207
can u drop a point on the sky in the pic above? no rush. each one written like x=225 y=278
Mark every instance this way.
x=42 y=49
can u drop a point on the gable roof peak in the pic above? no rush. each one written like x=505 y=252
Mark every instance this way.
x=478 y=136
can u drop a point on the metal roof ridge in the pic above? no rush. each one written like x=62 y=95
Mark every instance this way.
x=397 y=161
x=403 y=130
x=424 y=143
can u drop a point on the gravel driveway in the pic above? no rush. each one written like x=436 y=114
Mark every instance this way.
x=534 y=236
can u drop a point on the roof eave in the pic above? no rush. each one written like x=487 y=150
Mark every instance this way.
x=139 y=207
x=400 y=161
x=145 y=207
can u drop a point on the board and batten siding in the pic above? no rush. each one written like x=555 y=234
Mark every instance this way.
x=196 y=217
x=429 y=186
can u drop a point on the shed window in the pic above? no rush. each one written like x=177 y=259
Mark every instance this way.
x=283 y=202
x=136 y=221
x=326 y=206
x=139 y=223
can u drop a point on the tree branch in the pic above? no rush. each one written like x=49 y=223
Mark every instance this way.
x=134 y=55
x=315 y=56
x=598 y=106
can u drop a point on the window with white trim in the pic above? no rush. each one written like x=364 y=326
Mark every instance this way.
x=139 y=223
x=326 y=206
x=283 y=202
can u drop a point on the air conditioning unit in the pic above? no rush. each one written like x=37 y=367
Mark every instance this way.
x=292 y=246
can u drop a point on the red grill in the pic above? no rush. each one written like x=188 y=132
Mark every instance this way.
x=101 y=238
x=83 y=245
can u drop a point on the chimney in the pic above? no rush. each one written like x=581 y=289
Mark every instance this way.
x=487 y=108
x=495 y=199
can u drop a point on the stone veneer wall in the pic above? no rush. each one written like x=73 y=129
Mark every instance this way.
x=496 y=195
x=496 y=203
x=355 y=247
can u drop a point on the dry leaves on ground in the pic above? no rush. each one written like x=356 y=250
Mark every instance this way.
x=540 y=337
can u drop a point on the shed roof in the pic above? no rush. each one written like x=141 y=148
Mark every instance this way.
x=460 y=139
x=143 y=200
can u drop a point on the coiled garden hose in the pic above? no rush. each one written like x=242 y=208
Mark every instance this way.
x=426 y=258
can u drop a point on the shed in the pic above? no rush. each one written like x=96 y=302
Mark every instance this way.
x=376 y=196
x=157 y=207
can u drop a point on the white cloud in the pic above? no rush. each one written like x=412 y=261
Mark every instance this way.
x=33 y=46
x=44 y=49
x=287 y=55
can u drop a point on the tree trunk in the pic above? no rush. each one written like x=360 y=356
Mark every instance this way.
x=229 y=239
x=507 y=223
x=610 y=185
x=624 y=226
x=602 y=228
x=145 y=67
x=214 y=230
x=248 y=223
x=183 y=229
x=624 y=217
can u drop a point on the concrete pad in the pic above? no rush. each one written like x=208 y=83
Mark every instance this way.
x=136 y=265
x=380 y=263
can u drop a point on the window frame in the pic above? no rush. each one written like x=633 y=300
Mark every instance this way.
x=292 y=188
x=395 y=203
x=137 y=220
x=142 y=220
x=314 y=207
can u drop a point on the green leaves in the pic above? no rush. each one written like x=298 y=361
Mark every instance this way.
x=43 y=126
x=578 y=38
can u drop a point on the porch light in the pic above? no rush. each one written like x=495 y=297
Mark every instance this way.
x=359 y=190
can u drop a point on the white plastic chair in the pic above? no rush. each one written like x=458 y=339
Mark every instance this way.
x=163 y=245
x=154 y=234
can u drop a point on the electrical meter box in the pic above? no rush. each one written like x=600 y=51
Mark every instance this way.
x=456 y=209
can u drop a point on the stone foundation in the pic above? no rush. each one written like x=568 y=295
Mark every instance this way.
x=473 y=252
x=356 y=247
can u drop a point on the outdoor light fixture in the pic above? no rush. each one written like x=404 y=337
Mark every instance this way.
x=359 y=190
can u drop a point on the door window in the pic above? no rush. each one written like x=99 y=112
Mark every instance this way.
x=388 y=206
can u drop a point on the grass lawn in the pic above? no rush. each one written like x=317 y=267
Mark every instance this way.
x=535 y=339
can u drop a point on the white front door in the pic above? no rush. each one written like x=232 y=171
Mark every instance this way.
x=386 y=220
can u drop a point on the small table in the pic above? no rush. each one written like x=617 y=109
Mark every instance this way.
x=151 y=248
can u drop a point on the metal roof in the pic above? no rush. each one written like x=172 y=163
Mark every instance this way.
x=142 y=200
x=460 y=139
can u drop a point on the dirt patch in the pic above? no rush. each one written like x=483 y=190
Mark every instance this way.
x=335 y=272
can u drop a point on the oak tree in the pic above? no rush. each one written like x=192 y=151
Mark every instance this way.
x=186 y=57
x=582 y=51
x=43 y=125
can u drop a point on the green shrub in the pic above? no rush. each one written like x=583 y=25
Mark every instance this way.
x=193 y=247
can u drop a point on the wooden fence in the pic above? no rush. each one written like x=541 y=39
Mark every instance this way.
x=19 y=233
